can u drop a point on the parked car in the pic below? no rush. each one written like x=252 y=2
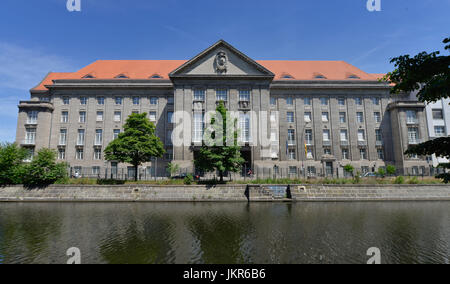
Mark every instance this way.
x=181 y=176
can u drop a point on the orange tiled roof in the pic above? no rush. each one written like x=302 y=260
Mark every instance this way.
x=145 y=69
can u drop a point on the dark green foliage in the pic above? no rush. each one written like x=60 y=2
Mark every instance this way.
x=222 y=158
x=189 y=179
x=391 y=170
x=349 y=168
x=44 y=170
x=382 y=172
x=138 y=144
x=12 y=167
x=429 y=73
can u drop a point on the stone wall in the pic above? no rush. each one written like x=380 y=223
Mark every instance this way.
x=222 y=193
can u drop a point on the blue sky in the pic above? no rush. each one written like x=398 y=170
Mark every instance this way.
x=41 y=35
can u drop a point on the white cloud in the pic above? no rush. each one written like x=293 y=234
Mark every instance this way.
x=23 y=68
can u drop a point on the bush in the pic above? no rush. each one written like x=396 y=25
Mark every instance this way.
x=349 y=169
x=414 y=180
x=189 y=179
x=12 y=168
x=391 y=170
x=382 y=172
x=399 y=180
x=44 y=170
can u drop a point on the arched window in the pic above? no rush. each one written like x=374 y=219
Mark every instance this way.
x=353 y=77
x=156 y=76
x=287 y=76
x=88 y=76
x=319 y=76
x=122 y=76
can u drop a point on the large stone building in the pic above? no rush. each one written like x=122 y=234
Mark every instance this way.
x=320 y=115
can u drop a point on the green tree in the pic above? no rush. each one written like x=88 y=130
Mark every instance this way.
x=44 y=170
x=216 y=154
x=12 y=167
x=138 y=143
x=429 y=74
x=349 y=169
x=391 y=170
x=172 y=169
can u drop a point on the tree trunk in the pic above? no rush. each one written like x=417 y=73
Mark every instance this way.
x=136 y=172
x=221 y=176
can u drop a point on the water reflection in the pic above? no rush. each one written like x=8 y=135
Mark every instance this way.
x=225 y=232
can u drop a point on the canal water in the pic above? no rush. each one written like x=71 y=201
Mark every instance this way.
x=225 y=233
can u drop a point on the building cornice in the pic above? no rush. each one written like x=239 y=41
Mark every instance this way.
x=311 y=84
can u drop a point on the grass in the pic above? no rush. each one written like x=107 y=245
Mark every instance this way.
x=340 y=181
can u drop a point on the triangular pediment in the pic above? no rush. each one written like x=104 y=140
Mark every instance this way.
x=221 y=60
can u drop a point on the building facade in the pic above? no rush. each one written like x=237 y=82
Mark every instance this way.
x=295 y=118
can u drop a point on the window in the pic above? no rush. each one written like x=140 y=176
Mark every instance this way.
x=97 y=154
x=376 y=101
x=135 y=112
x=309 y=153
x=170 y=100
x=438 y=114
x=244 y=95
x=66 y=101
x=353 y=77
x=152 y=116
x=29 y=155
x=411 y=117
x=170 y=117
x=292 y=170
x=326 y=135
x=361 y=135
x=324 y=116
x=79 y=154
x=324 y=101
x=61 y=154
x=153 y=101
x=199 y=95
x=413 y=135
x=273 y=101
x=273 y=117
x=198 y=128
x=341 y=102
x=64 y=117
x=169 y=140
x=342 y=117
x=30 y=136
x=290 y=117
x=156 y=76
x=222 y=95
x=345 y=155
x=307 y=101
x=96 y=170
x=99 y=115
x=311 y=171
x=291 y=154
x=136 y=101
x=117 y=116
x=363 y=153
x=83 y=101
x=118 y=100
x=98 y=137
x=32 y=117
x=360 y=117
x=62 y=137
x=439 y=131
x=344 y=135
x=327 y=151
x=116 y=133
x=82 y=118
x=289 y=101
x=378 y=135
x=358 y=101
x=377 y=117
x=307 y=117
x=244 y=125
x=291 y=137
x=308 y=137
x=100 y=101
x=81 y=137
x=380 y=154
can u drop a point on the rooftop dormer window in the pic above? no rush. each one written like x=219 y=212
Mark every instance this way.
x=89 y=76
x=156 y=76
x=319 y=76
x=287 y=77
x=122 y=76
x=353 y=77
